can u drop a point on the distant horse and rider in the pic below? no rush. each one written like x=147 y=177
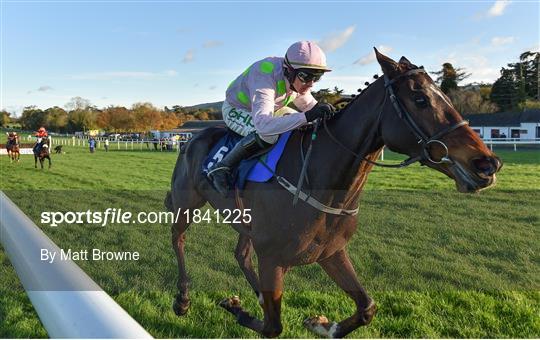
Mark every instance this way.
x=41 y=148
x=13 y=147
x=403 y=110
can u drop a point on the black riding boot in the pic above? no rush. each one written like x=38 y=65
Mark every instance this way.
x=248 y=146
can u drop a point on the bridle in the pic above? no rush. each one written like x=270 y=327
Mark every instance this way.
x=422 y=138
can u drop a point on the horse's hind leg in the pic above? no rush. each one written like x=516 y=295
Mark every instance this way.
x=188 y=200
x=243 y=254
x=340 y=269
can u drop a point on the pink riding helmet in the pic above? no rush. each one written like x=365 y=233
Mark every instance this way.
x=306 y=54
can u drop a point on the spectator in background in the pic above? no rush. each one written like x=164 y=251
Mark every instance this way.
x=106 y=144
x=92 y=144
x=502 y=135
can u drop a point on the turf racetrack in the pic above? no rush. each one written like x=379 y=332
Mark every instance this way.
x=438 y=263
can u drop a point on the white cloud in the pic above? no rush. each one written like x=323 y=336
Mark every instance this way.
x=370 y=57
x=170 y=73
x=213 y=87
x=188 y=57
x=123 y=75
x=500 y=41
x=336 y=40
x=498 y=8
x=44 y=88
x=212 y=43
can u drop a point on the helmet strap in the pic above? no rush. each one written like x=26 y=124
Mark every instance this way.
x=290 y=73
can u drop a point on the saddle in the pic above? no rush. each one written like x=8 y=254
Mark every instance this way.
x=259 y=168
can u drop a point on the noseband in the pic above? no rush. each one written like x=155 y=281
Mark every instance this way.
x=423 y=139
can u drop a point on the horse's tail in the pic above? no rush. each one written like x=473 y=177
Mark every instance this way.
x=168 y=201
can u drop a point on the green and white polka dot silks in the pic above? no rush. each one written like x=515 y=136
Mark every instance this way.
x=257 y=97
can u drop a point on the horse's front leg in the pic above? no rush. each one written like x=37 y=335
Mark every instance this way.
x=243 y=254
x=340 y=269
x=35 y=161
x=271 y=285
x=49 y=159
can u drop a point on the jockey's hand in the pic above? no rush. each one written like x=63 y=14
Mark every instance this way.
x=321 y=110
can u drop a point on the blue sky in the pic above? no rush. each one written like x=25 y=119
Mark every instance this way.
x=184 y=53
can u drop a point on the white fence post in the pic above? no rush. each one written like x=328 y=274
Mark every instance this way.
x=68 y=302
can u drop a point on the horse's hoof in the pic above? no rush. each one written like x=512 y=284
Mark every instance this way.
x=181 y=307
x=320 y=325
x=232 y=302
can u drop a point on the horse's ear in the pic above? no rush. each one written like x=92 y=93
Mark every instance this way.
x=405 y=61
x=388 y=66
x=408 y=65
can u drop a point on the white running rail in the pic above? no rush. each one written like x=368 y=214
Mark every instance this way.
x=69 y=303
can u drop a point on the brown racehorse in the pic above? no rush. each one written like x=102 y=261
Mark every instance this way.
x=13 y=151
x=403 y=110
x=43 y=153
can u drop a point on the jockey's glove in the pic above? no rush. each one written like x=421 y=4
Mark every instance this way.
x=321 y=110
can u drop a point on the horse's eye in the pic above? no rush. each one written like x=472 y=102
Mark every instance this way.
x=421 y=101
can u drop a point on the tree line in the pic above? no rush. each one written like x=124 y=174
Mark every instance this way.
x=80 y=115
x=516 y=89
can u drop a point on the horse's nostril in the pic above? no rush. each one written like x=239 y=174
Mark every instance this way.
x=486 y=165
x=498 y=163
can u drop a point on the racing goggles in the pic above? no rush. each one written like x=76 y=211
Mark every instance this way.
x=307 y=76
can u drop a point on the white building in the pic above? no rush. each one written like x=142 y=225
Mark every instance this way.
x=186 y=131
x=516 y=125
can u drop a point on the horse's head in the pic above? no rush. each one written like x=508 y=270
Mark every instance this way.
x=421 y=121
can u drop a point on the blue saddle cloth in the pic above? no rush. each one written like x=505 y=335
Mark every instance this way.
x=248 y=169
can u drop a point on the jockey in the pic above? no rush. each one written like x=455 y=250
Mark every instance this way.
x=256 y=104
x=13 y=139
x=41 y=137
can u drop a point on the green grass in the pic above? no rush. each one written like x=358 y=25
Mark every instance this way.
x=438 y=263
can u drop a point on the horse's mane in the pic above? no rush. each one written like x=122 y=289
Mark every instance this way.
x=402 y=67
x=361 y=92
